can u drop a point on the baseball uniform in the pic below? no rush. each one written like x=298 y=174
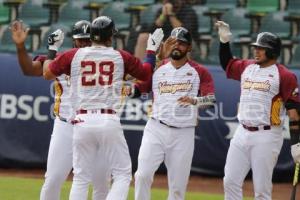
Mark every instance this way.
x=169 y=133
x=258 y=139
x=59 y=161
x=96 y=80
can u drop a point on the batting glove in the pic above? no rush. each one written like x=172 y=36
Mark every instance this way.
x=223 y=31
x=295 y=150
x=155 y=39
x=55 y=40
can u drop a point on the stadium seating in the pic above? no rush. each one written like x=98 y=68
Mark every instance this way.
x=34 y=14
x=139 y=2
x=273 y=22
x=293 y=7
x=262 y=6
x=221 y=4
x=116 y=10
x=295 y=61
x=4 y=14
x=239 y=25
x=72 y=12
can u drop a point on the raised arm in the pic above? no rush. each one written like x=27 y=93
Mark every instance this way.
x=19 y=34
x=137 y=69
x=55 y=40
x=225 y=54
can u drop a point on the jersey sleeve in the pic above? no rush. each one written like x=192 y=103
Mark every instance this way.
x=206 y=81
x=288 y=86
x=40 y=58
x=144 y=86
x=62 y=63
x=134 y=67
x=236 y=67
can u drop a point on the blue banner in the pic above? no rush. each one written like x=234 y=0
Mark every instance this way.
x=26 y=123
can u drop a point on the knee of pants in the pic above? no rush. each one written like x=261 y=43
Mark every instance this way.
x=54 y=181
x=230 y=184
x=143 y=176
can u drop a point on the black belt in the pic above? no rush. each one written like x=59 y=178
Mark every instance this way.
x=62 y=119
x=254 y=128
x=164 y=123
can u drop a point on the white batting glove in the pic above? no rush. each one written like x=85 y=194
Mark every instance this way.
x=155 y=39
x=295 y=150
x=223 y=31
x=55 y=40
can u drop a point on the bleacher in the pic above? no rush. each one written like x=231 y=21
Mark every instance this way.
x=246 y=17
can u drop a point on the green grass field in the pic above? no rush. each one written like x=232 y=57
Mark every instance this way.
x=12 y=188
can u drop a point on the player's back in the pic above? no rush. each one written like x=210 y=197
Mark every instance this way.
x=97 y=78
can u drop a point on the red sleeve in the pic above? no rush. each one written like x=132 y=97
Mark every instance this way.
x=206 y=82
x=62 y=63
x=144 y=86
x=40 y=58
x=288 y=85
x=236 y=67
x=134 y=67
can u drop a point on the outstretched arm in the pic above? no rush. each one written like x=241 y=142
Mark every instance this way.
x=28 y=66
x=225 y=54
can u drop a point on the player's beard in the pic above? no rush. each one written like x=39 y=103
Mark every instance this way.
x=177 y=55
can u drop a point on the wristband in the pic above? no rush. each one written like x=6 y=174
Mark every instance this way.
x=162 y=17
x=51 y=54
x=171 y=15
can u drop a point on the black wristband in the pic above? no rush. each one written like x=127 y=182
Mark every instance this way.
x=51 y=54
x=295 y=136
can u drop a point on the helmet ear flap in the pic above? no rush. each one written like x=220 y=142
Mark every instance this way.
x=270 y=54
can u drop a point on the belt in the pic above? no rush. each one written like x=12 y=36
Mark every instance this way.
x=95 y=111
x=164 y=123
x=62 y=119
x=254 y=128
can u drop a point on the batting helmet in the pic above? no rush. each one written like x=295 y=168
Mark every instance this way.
x=270 y=42
x=102 y=28
x=81 y=30
x=182 y=34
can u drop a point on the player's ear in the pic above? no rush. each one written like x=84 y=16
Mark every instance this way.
x=190 y=48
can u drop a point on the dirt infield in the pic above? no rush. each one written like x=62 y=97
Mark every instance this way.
x=281 y=191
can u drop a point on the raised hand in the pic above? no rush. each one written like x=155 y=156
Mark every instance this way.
x=155 y=39
x=223 y=31
x=18 y=32
x=55 y=40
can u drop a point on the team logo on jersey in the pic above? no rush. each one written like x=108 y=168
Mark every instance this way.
x=189 y=74
x=295 y=92
x=261 y=86
x=172 y=88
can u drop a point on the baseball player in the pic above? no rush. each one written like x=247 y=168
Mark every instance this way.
x=179 y=86
x=268 y=90
x=97 y=74
x=59 y=163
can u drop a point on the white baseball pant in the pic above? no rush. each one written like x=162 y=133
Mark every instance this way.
x=174 y=147
x=100 y=131
x=59 y=165
x=256 y=150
